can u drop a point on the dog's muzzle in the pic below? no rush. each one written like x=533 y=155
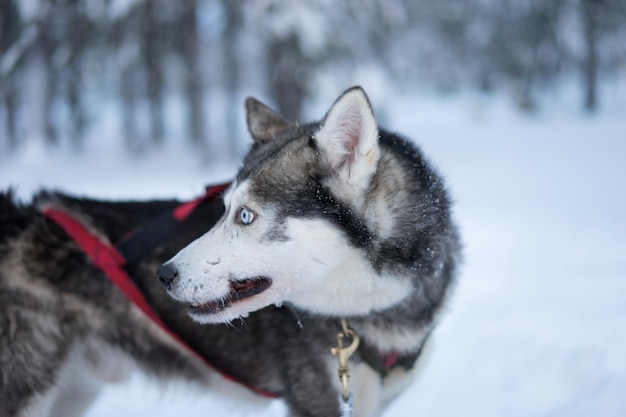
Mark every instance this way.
x=167 y=273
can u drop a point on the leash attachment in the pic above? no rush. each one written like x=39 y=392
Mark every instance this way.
x=343 y=353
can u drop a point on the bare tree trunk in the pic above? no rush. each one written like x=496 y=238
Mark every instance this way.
x=10 y=98
x=77 y=111
x=150 y=50
x=590 y=63
x=77 y=36
x=129 y=107
x=9 y=33
x=288 y=76
x=193 y=80
x=232 y=75
x=47 y=48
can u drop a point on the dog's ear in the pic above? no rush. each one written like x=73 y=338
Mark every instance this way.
x=349 y=138
x=263 y=123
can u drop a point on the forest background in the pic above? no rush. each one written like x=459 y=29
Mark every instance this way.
x=174 y=70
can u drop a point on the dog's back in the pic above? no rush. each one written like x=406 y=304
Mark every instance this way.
x=60 y=314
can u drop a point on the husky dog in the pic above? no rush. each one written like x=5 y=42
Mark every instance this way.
x=325 y=221
x=338 y=220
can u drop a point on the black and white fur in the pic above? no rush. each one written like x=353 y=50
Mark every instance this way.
x=329 y=220
x=339 y=220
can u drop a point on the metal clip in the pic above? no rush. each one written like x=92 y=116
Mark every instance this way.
x=343 y=353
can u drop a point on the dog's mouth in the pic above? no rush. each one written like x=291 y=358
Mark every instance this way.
x=239 y=290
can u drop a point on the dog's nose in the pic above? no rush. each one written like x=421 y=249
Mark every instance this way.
x=167 y=273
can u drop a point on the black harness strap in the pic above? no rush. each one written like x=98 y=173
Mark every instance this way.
x=153 y=233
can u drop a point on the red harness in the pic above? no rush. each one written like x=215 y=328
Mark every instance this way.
x=110 y=260
x=107 y=258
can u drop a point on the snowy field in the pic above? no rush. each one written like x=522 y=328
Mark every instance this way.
x=537 y=325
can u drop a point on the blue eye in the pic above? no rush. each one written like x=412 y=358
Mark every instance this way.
x=246 y=216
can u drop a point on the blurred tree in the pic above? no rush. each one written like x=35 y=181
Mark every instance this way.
x=589 y=11
x=151 y=53
x=157 y=51
x=289 y=76
x=232 y=71
x=603 y=30
x=10 y=28
x=47 y=45
x=77 y=28
x=285 y=37
x=124 y=44
x=193 y=79
x=526 y=45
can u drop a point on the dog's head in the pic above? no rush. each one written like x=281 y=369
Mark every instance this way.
x=291 y=231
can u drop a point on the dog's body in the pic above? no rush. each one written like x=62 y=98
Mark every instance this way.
x=332 y=220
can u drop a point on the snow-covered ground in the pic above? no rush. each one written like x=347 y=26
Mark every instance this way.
x=537 y=324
